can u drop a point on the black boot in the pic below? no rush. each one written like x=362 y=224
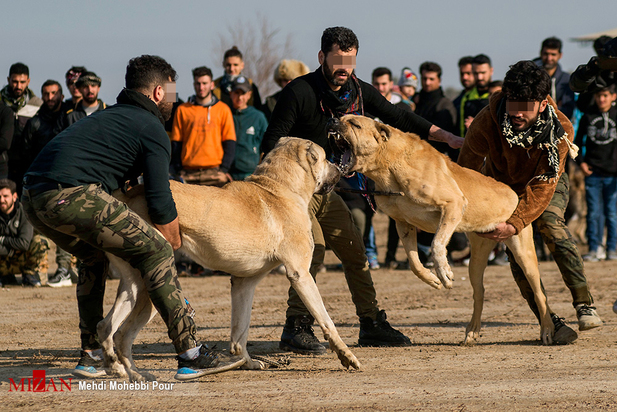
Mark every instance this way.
x=379 y=332
x=298 y=336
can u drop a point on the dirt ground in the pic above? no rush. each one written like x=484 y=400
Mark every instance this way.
x=508 y=370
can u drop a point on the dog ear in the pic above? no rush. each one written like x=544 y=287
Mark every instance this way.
x=384 y=131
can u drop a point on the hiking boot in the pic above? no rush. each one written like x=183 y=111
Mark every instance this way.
x=298 y=336
x=563 y=333
x=208 y=362
x=60 y=279
x=592 y=256
x=31 y=280
x=90 y=365
x=379 y=332
x=587 y=317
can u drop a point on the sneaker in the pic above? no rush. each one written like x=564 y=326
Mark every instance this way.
x=611 y=255
x=373 y=264
x=587 y=317
x=378 y=332
x=31 y=280
x=563 y=333
x=208 y=362
x=89 y=366
x=298 y=336
x=592 y=256
x=60 y=279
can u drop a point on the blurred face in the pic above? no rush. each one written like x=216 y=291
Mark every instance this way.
x=52 y=98
x=430 y=81
x=466 y=76
x=89 y=92
x=523 y=114
x=383 y=84
x=18 y=83
x=337 y=65
x=482 y=74
x=233 y=65
x=604 y=100
x=7 y=200
x=408 y=91
x=550 y=58
x=203 y=86
x=166 y=104
x=240 y=99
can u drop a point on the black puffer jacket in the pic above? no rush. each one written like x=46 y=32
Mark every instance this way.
x=15 y=231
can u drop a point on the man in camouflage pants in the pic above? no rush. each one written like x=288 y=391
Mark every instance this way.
x=67 y=196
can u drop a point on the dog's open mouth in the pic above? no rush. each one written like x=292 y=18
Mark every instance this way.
x=343 y=157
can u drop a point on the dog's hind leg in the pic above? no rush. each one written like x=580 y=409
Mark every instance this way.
x=408 y=236
x=480 y=251
x=523 y=250
x=242 y=292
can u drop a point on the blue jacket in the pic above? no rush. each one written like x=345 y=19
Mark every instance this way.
x=560 y=90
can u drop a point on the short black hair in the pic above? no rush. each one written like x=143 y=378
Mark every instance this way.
x=146 y=72
x=526 y=81
x=19 y=68
x=598 y=44
x=430 y=67
x=465 y=60
x=343 y=37
x=495 y=83
x=51 y=83
x=551 y=43
x=8 y=184
x=233 y=52
x=482 y=59
x=202 y=71
x=610 y=88
x=381 y=71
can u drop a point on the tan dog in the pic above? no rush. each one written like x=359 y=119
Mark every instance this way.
x=246 y=229
x=440 y=197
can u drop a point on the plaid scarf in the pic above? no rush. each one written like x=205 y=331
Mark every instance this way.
x=545 y=134
x=346 y=100
x=15 y=103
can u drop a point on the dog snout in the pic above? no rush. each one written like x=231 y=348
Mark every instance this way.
x=333 y=124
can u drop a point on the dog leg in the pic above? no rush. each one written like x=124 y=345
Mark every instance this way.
x=523 y=249
x=450 y=218
x=480 y=251
x=304 y=284
x=242 y=293
x=408 y=236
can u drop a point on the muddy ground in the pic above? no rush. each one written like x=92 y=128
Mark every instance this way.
x=508 y=370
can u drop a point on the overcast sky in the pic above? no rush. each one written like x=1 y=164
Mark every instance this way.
x=51 y=36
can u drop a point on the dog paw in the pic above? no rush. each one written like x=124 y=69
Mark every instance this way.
x=135 y=376
x=254 y=365
x=348 y=359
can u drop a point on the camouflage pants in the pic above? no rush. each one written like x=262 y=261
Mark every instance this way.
x=87 y=222
x=552 y=227
x=31 y=262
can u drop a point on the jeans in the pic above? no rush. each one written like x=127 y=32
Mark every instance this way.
x=601 y=197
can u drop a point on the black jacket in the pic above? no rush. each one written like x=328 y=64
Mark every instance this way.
x=438 y=109
x=15 y=230
x=299 y=113
x=73 y=115
x=7 y=124
x=38 y=132
x=597 y=138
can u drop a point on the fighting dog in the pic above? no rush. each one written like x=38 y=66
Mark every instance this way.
x=440 y=197
x=245 y=229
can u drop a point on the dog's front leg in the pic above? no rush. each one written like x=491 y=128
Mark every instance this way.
x=451 y=215
x=304 y=284
x=242 y=292
x=408 y=236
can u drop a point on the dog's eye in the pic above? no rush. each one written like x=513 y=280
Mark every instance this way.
x=314 y=157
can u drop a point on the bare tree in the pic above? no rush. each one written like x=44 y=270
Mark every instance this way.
x=261 y=51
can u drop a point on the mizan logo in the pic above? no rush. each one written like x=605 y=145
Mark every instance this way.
x=38 y=383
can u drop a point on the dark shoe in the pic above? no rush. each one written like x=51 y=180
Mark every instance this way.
x=298 y=336
x=563 y=333
x=587 y=317
x=379 y=332
x=208 y=362
x=8 y=280
x=89 y=367
x=31 y=280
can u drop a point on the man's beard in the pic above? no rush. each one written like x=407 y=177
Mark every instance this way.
x=166 y=108
x=53 y=105
x=17 y=92
x=5 y=208
x=330 y=76
x=90 y=100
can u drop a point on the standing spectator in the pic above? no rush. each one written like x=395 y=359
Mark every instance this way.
x=285 y=72
x=24 y=103
x=71 y=77
x=597 y=138
x=233 y=63
x=550 y=54
x=7 y=124
x=203 y=135
x=407 y=86
x=477 y=98
x=89 y=85
x=465 y=76
x=21 y=251
x=250 y=125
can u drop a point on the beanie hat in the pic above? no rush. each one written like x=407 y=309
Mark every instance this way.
x=408 y=78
